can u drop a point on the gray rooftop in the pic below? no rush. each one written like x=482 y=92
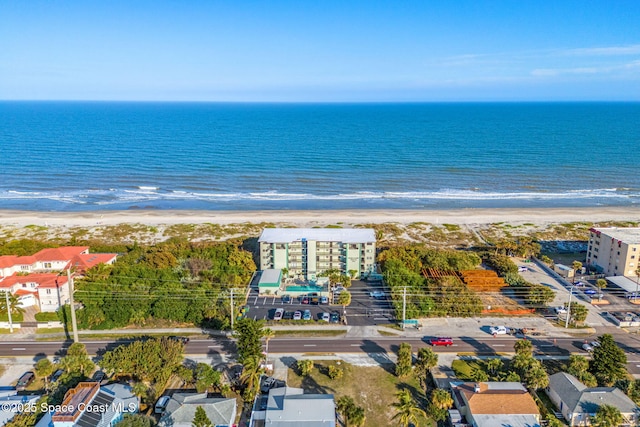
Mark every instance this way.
x=581 y=399
x=289 y=407
x=181 y=409
x=270 y=275
x=628 y=235
x=344 y=235
x=511 y=420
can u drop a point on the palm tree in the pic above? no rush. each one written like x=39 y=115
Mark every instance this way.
x=607 y=416
x=577 y=265
x=267 y=334
x=406 y=410
x=44 y=368
x=426 y=360
x=250 y=377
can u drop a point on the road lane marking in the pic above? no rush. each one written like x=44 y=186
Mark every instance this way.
x=214 y=346
x=309 y=345
x=18 y=348
x=356 y=345
x=498 y=345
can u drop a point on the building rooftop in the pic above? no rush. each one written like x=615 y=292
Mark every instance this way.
x=497 y=398
x=344 y=235
x=629 y=235
x=289 y=407
x=581 y=399
x=181 y=409
x=270 y=276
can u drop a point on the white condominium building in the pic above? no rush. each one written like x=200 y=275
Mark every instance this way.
x=311 y=251
x=614 y=251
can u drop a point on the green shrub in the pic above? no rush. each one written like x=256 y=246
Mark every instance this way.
x=47 y=317
x=335 y=373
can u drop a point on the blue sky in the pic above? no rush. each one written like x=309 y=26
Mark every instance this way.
x=323 y=50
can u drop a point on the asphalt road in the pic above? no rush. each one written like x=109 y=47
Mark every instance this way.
x=551 y=347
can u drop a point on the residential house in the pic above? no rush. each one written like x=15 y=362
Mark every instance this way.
x=38 y=275
x=290 y=407
x=307 y=252
x=181 y=410
x=578 y=403
x=50 y=289
x=491 y=404
x=92 y=405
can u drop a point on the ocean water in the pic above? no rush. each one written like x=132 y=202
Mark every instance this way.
x=73 y=156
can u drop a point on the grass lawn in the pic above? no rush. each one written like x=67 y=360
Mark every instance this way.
x=372 y=388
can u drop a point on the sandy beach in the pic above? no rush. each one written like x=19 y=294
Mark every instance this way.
x=311 y=218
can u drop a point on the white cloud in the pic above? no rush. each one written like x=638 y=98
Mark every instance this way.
x=604 y=51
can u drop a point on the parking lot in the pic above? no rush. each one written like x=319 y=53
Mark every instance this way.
x=364 y=309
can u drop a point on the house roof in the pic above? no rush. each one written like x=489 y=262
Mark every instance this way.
x=345 y=235
x=497 y=398
x=86 y=261
x=11 y=260
x=63 y=253
x=510 y=420
x=181 y=409
x=289 y=407
x=582 y=399
x=43 y=280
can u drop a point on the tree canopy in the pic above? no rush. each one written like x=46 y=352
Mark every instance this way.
x=608 y=361
x=174 y=280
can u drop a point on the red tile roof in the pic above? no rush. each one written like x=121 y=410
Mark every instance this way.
x=11 y=260
x=86 y=261
x=44 y=280
x=63 y=253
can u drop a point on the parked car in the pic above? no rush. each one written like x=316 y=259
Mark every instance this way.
x=324 y=300
x=286 y=299
x=297 y=315
x=56 y=375
x=278 y=314
x=498 y=330
x=522 y=269
x=98 y=376
x=334 y=317
x=579 y=284
x=161 y=404
x=376 y=294
x=305 y=300
x=326 y=316
x=595 y=344
x=441 y=341
x=560 y=310
x=267 y=384
x=587 y=347
x=288 y=315
x=590 y=291
x=24 y=381
x=306 y=315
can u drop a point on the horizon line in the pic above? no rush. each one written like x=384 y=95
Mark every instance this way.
x=169 y=101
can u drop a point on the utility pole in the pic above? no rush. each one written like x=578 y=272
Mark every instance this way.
x=404 y=306
x=232 y=315
x=6 y=295
x=74 y=324
x=566 y=323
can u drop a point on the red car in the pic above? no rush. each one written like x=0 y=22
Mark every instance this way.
x=445 y=341
x=305 y=300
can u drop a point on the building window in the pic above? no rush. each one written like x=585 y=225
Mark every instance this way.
x=633 y=257
x=24 y=285
x=48 y=291
x=280 y=246
x=47 y=265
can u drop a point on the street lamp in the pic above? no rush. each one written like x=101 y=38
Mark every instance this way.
x=566 y=323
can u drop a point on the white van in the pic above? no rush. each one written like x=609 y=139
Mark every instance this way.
x=161 y=404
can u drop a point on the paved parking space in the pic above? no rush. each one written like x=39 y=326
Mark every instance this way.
x=364 y=309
